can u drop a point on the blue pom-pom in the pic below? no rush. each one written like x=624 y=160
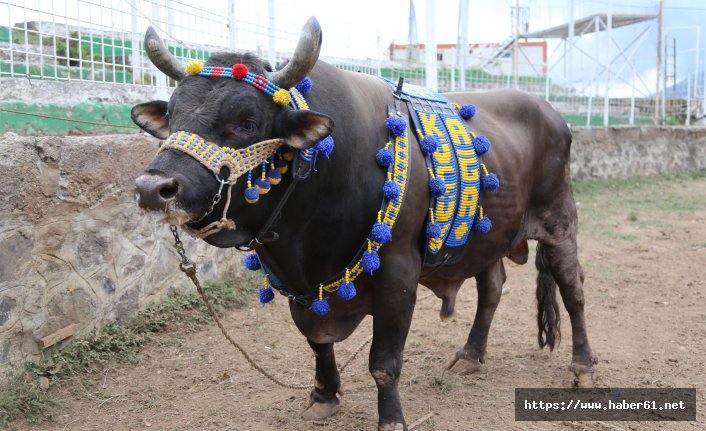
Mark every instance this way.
x=391 y=189
x=481 y=144
x=304 y=85
x=252 y=262
x=346 y=291
x=381 y=233
x=370 y=262
x=282 y=166
x=396 y=125
x=384 y=157
x=262 y=186
x=325 y=146
x=491 y=182
x=266 y=295
x=320 y=306
x=483 y=225
x=274 y=176
x=437 y=187
x=252 y=195
x=433 y=230
x=467 y=111
x=429 y=144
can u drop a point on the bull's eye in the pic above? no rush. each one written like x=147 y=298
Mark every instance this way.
x=247 y=126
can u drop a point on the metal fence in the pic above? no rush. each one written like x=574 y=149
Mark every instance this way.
x=101 y=41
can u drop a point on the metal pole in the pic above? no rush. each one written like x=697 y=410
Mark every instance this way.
x=516 y=47
x=570 y=52
x=546 y=87
x=232 y=26
x=462 y=46
x=631 y=121
x=271 y=52
x=160 y=79
x=453 y=70
x=609 y=38
x=432 y=81
x=596 y=28
x=379 y=58
x=135 y=56
x=170 y=18
x=688 y=100
x=659 y=59
x=664 y=84
x=703 y=88
x=696 y=61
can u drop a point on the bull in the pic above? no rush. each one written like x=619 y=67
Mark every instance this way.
x=324 y=220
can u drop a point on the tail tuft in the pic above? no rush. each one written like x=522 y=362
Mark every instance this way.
x=548 y=317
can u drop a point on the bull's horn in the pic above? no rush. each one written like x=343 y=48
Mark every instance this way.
x=304 y=57
x=161 y=57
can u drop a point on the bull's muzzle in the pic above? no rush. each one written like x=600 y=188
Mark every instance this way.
x=154 y=192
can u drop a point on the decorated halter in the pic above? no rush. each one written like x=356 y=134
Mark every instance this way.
x=270 y=155
x=215 y=157
x=240 y=72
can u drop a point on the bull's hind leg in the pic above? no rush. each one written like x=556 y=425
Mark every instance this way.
x=323 y=401
x=562 y=262
x=489 y=284
x=557 y=261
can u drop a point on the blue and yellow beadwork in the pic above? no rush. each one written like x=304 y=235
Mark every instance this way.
x=456 y=174
x=214 y=157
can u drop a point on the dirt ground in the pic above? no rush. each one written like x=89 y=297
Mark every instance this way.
x=643 y=246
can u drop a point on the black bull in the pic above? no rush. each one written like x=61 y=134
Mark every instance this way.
x=329 y=215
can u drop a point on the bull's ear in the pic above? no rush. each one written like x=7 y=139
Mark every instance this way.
x=303 y=129
x=152 y=118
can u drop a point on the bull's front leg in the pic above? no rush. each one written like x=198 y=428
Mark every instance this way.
x=392 y=314
x=323 y=401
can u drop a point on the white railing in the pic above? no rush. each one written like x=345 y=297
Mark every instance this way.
x=101 y=41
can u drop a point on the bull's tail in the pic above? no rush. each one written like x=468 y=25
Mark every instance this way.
x=548 y=317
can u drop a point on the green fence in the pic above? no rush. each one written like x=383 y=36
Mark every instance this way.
x=38 y=119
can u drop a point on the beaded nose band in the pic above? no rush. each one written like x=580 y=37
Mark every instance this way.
x=215 y=157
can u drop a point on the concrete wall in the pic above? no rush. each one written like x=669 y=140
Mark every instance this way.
x=73 y=246
x=100 y=103
x=75 y=249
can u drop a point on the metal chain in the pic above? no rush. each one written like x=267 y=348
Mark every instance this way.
x=188 y=268
x=216 y=199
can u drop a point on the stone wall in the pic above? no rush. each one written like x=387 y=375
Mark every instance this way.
x=623 y=151
x=74 y=248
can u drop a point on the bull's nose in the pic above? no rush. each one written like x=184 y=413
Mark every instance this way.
x=154 y=191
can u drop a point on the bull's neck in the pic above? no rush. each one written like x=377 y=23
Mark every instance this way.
x=329 y=215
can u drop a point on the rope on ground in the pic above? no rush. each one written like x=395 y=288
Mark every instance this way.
x=272 y=378
x=188 y=268
x=212 y=312
x=12 y=111
x=420 y=421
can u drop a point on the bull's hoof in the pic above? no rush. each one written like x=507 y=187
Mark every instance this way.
x=464 y=363
x=392 y=427
x=319 y=411
x=581 y=375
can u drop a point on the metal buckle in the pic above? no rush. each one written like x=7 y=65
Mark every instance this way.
x=301 y=299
